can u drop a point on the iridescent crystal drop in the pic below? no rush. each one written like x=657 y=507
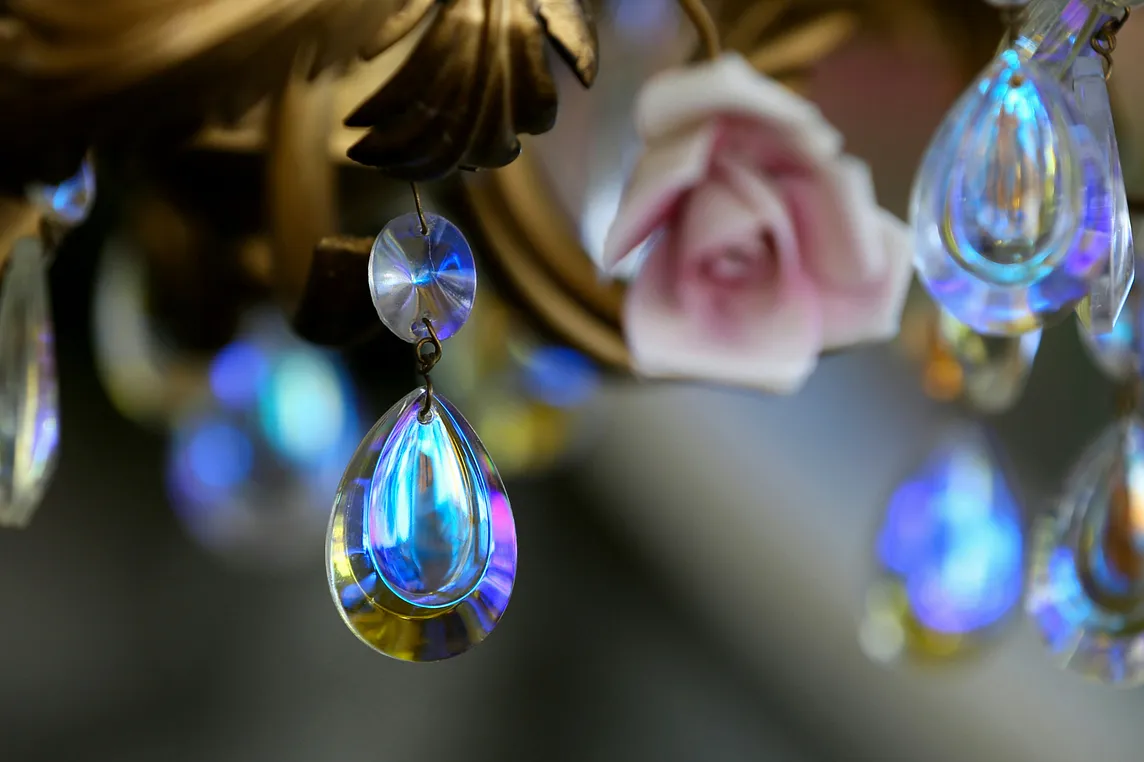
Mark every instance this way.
x=951 y=555
x=415 y=275
x=1110 y=290
x=1010 y=206
x=29 y=401
x=1087 y=594
x=421 y=551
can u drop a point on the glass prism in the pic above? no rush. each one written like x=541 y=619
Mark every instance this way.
x=1010 y=206
x=421 y=550
x=70 y=202
x=1099 y=311
x=1087 y=594
x=415 y=275
x=29 y=397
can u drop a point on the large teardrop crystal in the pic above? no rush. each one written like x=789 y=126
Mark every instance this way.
x=1011 y=209
x=1087 y=593
x=29 y=397
x=421 y=551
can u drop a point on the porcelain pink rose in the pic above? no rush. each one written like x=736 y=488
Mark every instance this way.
x=771 y=246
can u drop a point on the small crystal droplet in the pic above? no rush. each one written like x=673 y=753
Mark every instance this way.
x=421 y=550
x=1110 y=290
x=70 y=202
x=29 y=402
x=951 y=552
x=1087 y=594
x=1011 y=206
x=994 y=368
x=1120 y=352
x=415 y=275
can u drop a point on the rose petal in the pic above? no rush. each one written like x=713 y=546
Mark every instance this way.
x=679 y=98
x=774 y=344
x=664 y=173
x=734 y=208
x=839 y=223
x=873 y=312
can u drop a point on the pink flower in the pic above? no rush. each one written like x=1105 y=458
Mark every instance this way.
x=773 y=247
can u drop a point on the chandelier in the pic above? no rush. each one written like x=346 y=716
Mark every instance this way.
x=740 y=244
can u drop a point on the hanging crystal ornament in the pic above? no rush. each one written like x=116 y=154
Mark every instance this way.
x=1011 y=205
x=29 y=394
x=951 y=555
x=1087 y=589
x=1100 y=310
x=421 y=550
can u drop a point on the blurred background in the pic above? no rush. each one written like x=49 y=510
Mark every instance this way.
x=699 y=567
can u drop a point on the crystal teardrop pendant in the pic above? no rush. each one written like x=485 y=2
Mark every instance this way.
x=421 y=550
x=1099 y=311
x=1087 y=594
x=29 y=401
x=1011 y=206
x=951 y=555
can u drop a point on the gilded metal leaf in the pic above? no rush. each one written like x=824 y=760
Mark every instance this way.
x=74 y=70
x=476 y=80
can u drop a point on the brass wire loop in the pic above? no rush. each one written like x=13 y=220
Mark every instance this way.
x=420 y=211
x=428 y=352
x=1104 y=42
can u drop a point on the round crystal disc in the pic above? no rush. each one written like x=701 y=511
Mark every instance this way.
x=415 y=275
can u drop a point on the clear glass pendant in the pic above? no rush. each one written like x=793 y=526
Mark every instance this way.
x=421 y=551
x=1100 y=310
x=1010 y=209
x=951 y=553
x=1087 y=594
x=29 y=397
x=414 y=276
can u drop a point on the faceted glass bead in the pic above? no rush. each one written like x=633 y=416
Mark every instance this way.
x=414 y=275
x=1110 y=290
x=1087 y=594
x=1010 y=208
x=70 y=202
x=994 y=369
x=29 y=398
x=421 y=551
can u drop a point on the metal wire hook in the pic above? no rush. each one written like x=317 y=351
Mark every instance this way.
x=1104 y=42
x=426 y=361
x=420 y=211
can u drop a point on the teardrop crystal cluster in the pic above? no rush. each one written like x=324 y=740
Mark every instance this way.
x=951 y=555
x=1087 y=594
x=1010 y=209
x=29 y=396
x=421 y=551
